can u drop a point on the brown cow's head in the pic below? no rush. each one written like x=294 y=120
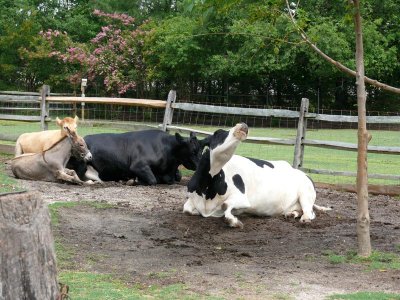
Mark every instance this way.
x=68 y=124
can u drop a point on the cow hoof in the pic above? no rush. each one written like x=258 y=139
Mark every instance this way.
x=305 y=221
x=239 y=225
x=234 y=223
x=130 y=182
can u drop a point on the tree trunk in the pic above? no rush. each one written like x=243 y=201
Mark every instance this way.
x=27 y=259
x=363 y=220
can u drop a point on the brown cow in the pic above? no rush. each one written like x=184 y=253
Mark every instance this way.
x=36 y=142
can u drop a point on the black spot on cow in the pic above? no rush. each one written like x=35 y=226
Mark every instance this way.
x=238 y=182
x=203 y=184
x=261 y=163
x=218 y=138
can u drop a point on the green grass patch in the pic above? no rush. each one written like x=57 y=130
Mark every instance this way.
x=366 y=296
x=314 y=157
x=376 y=261
x=8 y=184
x=54 y=207
x=66 y=253
x=87 y=286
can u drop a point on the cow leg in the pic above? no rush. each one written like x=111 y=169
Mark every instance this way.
x=234 y=203
x=190 y=209
x=144 y=174
x=295 y=214
x=92 y=174
x=178 y=175
x=307 y=204
x=62 y=175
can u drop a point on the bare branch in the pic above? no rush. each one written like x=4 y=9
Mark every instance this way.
x=337 y=64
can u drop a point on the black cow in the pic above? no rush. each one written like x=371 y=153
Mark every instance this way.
x=150 y=156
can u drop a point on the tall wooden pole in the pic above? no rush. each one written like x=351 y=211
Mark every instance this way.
x=363 y=219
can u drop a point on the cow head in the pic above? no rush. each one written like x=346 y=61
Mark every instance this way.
x=68 y=123
x=190 y=150
x=223 y=145
x=79 y=148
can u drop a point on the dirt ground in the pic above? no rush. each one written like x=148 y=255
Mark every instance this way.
x=145 y=238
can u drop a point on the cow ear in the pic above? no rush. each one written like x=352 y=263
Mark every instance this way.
x=76 y=119
x=205 y=142
x=193 y=135
x=179 y=138
x=58 y=121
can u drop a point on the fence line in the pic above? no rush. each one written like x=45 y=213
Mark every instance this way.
x=170 y=105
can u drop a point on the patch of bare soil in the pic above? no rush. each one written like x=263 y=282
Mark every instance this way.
x=147 y=239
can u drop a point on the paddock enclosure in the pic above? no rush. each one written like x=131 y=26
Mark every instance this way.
x=323 y=145
x=140 y=235
x=146 y=240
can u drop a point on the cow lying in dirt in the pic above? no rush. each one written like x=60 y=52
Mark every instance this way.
x=49 y=165
x=148 y=156
x=226 y=185
x=36 y=142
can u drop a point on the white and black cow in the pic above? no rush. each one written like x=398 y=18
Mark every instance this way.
x=150 y=156
x=225 y=184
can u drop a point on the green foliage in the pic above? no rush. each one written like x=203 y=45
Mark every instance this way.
x=213 y=47
x=7 y=183
x=87 y=286
x=376 y=261
x=366 y=296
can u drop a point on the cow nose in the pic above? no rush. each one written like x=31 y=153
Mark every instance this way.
x=88 y=157
x=244 y=127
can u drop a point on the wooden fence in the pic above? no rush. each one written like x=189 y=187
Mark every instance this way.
x=44 y=98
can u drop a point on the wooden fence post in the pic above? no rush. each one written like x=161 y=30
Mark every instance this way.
x=44 y=106
x=301 y=134
x=27 y=258
x=169 y=110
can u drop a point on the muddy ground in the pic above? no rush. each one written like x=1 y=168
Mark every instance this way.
x=146 y=239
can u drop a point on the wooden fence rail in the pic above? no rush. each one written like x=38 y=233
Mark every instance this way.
x=170 y=105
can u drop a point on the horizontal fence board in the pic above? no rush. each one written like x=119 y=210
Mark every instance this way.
x=354 y=119
x=10 y=137
x=102 y=100
x=22 y=118
x=20 y=93
x=20 y=108
x=9 y=149
x=17 y=99
x=391 y=190
x=254 y=140
x=350 y=147
x=349 y=174
x=284 y=113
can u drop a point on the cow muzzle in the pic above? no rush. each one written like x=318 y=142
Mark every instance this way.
x=241 y=131
x=88 y=156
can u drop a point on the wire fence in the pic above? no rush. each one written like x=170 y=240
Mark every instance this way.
x=97 y=118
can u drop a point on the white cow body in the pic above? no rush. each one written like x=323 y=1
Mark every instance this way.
x=263 y=189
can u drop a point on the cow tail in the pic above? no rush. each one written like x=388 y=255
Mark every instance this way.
x=322 y=208
x=18 y=148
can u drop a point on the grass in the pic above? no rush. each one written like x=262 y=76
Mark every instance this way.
x=87 y=285
x=7 y=183
x=66 y=253
x=378 y=260
x=314 y=158
x=365 y=296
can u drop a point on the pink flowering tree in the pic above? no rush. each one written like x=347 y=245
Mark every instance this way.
x=112 y=60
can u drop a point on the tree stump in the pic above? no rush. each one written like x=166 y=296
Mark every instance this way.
x=27 y=257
